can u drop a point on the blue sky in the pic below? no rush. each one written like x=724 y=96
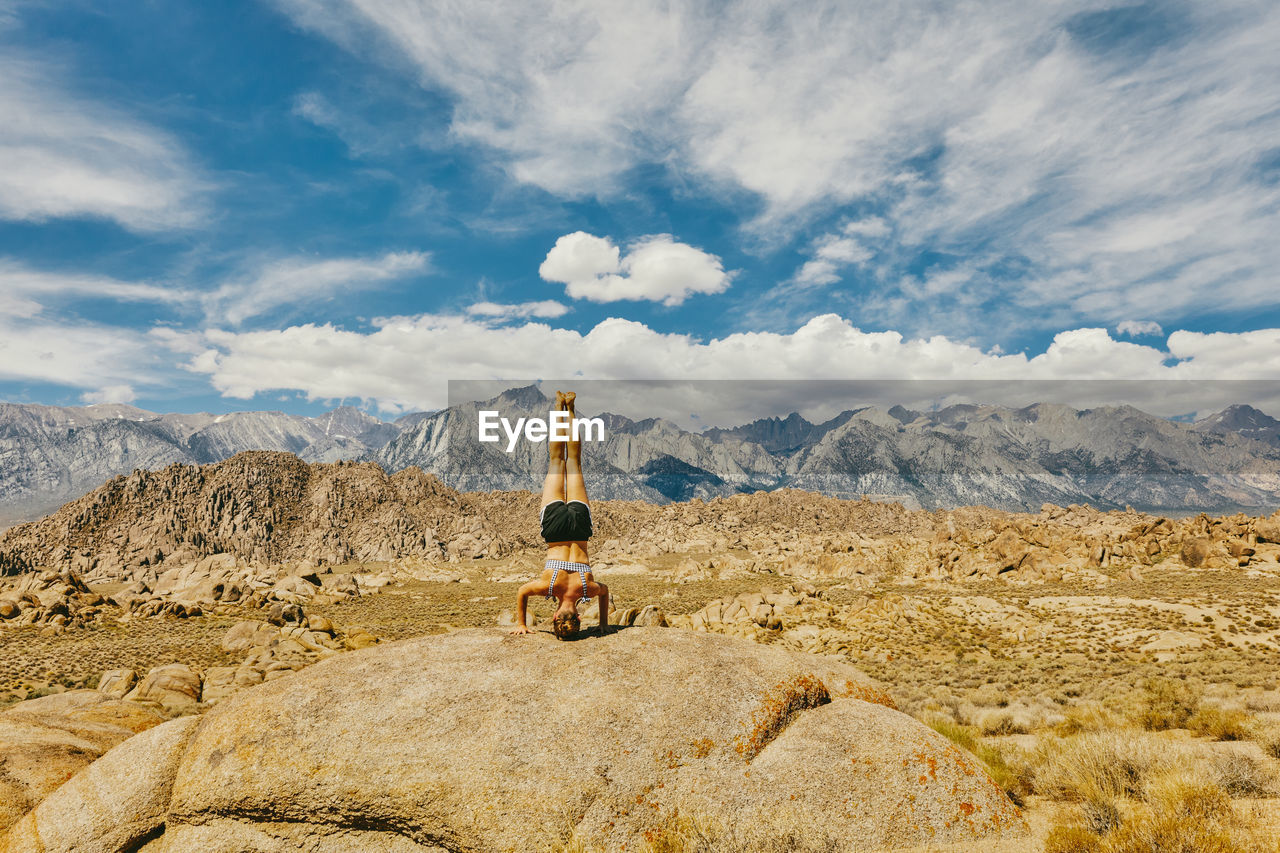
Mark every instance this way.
x=289 y=203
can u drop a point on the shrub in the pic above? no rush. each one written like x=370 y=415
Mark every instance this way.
x=1269 y=739
x=1221 y=724
x=1166 y=703
x=1241 y=775
x=1101 y=814
x=1072 y=838
x=1086 y=717
x=1184 y=814
x=1098 y=766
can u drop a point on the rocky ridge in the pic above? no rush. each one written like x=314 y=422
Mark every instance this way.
x=266 y=527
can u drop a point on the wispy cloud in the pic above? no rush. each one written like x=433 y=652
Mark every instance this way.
x=832 y=252
x=1093 y=155
x=68 y=156
x=40 y=341
x=26 y=292
x=298 y=281
x=77 y=354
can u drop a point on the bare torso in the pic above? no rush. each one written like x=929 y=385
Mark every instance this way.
x=572 y=552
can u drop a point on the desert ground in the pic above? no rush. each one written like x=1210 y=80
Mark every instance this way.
x=1115 y=673
x=1112 y=703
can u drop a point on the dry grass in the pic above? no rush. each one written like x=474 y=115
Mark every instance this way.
x=690 y=833
x=1166 y=703
x=1180 y=814
x=1221 y=724
x=1009 y=766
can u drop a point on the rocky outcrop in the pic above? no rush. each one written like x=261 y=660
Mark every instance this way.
x=261 y=509
x=46 y=741
x=481 y=741
x=272 y=649
x=50 y=600
x=53 y=454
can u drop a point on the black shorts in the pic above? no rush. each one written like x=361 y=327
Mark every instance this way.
x=566 y=522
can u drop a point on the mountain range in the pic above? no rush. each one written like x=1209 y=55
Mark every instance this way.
x=1009 y=458
x=52 y=454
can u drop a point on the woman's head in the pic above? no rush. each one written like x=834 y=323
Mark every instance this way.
x=565 y=624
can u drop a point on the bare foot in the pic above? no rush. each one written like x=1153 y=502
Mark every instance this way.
x=559 y=400
x=569 y=397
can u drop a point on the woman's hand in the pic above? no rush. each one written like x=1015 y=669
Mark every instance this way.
x=522 y=629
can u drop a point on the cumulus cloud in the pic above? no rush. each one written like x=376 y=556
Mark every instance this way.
x=655 y=268
x=385 y=364
x=66 y=156
x=292 y=281
x=545 y=309
x=1136 y=328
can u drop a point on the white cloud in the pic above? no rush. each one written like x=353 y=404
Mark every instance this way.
x=545 y=309
x=80 y=355
x=36 y=344
x=1135 y=328
x=110 y=394
x=386 y=364
x=1102 y=172
x=833 y=252
x=1226 y=355
x=292 y=281
x=655 y=268
x=360 y=138
x=66 y=156
x=25 y=292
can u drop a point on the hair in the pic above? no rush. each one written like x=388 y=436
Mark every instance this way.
x=565 y=625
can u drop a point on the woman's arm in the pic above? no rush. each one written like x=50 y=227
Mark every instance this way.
x=603 y=594
x=522 y=599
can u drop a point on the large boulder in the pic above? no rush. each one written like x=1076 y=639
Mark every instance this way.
x=175 y=687
x=481 y=741
x=46 y=741
x=114 y=803
x=1268 y=529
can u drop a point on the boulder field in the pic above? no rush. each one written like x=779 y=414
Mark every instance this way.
x=477 y=740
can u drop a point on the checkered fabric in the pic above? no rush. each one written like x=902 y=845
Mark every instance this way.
x=556 y=565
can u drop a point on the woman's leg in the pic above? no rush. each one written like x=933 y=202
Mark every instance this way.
x=575 y=485
x=553 y=486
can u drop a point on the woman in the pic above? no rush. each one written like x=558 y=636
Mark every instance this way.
x=566 y=527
